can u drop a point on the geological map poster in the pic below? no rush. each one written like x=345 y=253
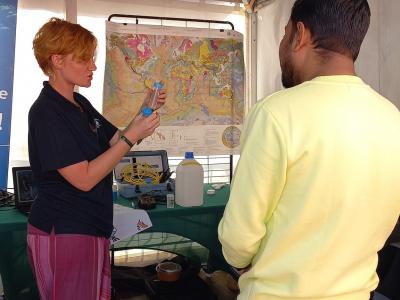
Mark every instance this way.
x=203 y=73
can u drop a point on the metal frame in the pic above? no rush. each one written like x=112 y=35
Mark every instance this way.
x=137 y=17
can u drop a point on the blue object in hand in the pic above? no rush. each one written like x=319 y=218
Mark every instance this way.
x=147 y=111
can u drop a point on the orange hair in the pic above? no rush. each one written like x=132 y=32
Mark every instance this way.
x=61 y=37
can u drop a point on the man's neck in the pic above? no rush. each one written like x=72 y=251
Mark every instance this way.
x=335 y=64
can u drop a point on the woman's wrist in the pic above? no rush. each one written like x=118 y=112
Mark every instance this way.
x=131 y=135
x=126 y=140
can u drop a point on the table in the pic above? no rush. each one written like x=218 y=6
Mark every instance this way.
x=198 y=224
x=16 y=275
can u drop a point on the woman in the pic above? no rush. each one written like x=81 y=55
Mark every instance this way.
x=73 y=150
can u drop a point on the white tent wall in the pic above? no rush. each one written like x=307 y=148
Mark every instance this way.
x=378 y=62
x=91 y=14
x=389 y=47
x=368 y=62
x=271 y=21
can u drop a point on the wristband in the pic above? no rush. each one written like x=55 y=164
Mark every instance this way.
x=126 y=140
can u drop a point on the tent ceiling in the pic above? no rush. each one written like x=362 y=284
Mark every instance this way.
x=217 y=6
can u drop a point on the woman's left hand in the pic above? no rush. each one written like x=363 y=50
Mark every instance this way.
x=161 y=99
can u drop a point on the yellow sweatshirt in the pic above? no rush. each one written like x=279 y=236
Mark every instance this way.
x=316 y=192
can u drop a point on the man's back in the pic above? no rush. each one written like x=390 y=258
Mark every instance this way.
x=332 y=148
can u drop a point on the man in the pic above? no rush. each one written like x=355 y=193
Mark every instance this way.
x=317 y=188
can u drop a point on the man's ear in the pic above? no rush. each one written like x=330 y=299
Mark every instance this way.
x=57 y=60
x=302 y=37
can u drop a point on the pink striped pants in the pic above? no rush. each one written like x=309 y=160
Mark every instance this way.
x=70 y=266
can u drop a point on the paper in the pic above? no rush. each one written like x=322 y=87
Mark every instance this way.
x=128 y=222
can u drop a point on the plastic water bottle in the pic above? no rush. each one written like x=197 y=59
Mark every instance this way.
x=115 y=192
x=189 y=182
x=147 y=111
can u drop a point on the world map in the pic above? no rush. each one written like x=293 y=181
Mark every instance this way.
x=202 y=71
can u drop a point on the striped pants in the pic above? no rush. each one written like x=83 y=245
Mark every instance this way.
x=70 y=266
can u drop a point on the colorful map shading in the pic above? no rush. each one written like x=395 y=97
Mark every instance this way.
x=203 y=72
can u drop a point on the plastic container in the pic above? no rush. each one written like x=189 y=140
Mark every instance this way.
x=168 y=271
x=147 y=111
x=189 y=182
x=115 y=192
x=170 y=200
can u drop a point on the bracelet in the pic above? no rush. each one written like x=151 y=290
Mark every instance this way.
x=126 y=140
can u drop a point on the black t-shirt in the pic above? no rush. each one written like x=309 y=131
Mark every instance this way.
x=61 y=135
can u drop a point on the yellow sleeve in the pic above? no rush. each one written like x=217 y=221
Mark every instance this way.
x=256 y=188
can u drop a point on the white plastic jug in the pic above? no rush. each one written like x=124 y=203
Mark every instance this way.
x=189 y=182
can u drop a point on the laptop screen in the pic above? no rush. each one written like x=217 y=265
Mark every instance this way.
x=24 y=189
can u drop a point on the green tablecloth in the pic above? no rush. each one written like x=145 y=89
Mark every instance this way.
x=18 y=282
x=198 y=224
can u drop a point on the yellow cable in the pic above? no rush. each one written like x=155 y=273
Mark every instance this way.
x=137 y=173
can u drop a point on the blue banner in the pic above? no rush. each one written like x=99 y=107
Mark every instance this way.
x=8 y=20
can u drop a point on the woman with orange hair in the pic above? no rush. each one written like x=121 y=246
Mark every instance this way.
x=73 y=150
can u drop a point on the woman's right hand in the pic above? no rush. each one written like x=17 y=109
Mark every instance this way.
x=142 y=127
